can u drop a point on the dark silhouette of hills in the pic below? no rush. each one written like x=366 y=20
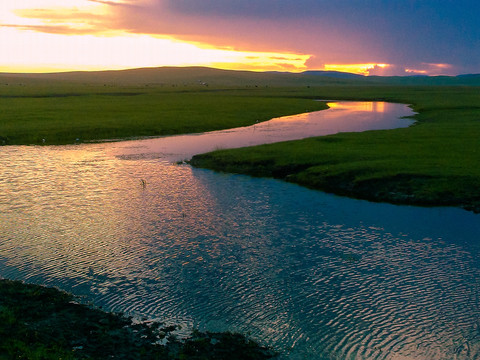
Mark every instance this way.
x=205 y=76
x=334 y=74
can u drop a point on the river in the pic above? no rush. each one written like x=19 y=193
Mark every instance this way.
x=315 y=276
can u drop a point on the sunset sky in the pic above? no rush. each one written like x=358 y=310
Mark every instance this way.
x=371 y=37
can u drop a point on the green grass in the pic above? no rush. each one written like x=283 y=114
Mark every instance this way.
x=92 y=106
x=90 y=113
x=435 y=162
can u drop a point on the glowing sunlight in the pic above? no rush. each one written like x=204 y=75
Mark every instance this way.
x=68 y=35
x=362 y=69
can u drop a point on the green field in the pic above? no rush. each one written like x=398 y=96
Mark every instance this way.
x=435 y=162
x=61 y=113
x=91 y=106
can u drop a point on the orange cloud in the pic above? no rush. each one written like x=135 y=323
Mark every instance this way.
x=362 y=69
x=55 y=29
x=429 y=69
x=83 y=18
x=416 y=72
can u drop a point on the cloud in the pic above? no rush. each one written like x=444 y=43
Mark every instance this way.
x=348 y=31
x=80 y=18
x=225 y=27
x=429 y=69
x=106 y=2
x=405 y=34
x=55 y=29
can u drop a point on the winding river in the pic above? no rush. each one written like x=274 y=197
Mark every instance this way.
x=313 y=275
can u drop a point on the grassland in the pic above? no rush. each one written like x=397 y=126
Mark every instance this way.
x=435 y=162
x=62 y=113
x=65 y=108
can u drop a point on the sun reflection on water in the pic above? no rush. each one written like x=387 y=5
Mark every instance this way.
x=360 y=106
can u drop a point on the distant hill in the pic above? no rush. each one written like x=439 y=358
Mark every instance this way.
x=178 y=76
x=205 y=76
x=334 y=74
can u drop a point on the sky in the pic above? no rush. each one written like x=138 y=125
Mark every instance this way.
x=369 y=37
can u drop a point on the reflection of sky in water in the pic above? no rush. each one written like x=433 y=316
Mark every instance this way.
x=331 y=277
x=364 y=106
x=341 y=117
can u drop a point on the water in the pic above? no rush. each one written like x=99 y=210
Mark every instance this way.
x=314 y=275
x=342 y=116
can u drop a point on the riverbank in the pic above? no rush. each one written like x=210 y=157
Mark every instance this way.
x=43 y=113
x=433 y=163
x=44 y=323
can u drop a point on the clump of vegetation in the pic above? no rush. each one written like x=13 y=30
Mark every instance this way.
x=44 y=323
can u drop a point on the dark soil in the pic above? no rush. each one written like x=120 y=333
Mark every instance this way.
x=44 y=323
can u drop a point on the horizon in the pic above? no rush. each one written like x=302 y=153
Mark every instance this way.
x=383 y=38
x=234 y=70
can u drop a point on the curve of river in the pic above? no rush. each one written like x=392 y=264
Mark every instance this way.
x=341 y=116
x=314 y=275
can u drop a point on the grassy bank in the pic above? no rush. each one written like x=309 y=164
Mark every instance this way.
x=435 y=162
x=51 y=111
x=45 y=323
x=61 y=118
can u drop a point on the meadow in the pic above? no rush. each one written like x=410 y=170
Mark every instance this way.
x=434 y=162
x=65 y=108
x=60 y=116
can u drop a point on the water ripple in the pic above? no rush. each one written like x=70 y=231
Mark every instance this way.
x=315 y=276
